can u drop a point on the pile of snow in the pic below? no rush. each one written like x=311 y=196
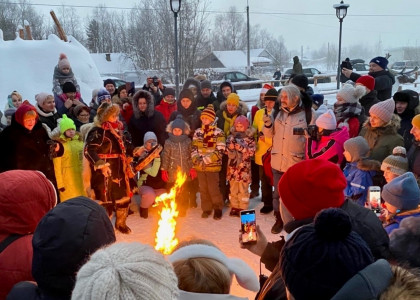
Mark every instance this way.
x=28 y=66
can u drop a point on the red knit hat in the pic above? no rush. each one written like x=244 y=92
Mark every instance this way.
x=368 y=81
x=265 y=88
x=310 y=186
x=22 y=110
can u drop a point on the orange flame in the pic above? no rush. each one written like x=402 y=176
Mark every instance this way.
x=165 y=235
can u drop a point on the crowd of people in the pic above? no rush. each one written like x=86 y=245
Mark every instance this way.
x=88 y=162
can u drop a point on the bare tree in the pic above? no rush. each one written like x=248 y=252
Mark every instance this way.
x=230 y=31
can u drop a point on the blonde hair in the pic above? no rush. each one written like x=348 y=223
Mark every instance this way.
x=29 y=115
x=405 y=285
x=202 y=275
x=14 y=93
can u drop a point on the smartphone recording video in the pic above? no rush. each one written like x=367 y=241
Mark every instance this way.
x=374 y=197
x=248 y=226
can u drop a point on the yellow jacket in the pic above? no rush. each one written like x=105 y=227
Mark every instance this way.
x=262 y=144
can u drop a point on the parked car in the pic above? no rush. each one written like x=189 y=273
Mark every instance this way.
x=405 y=64
x=118 y=82
x=308 y=72
x=235 y=76
x=359 y=65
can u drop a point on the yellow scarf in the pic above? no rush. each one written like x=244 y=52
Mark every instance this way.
x=228 y=123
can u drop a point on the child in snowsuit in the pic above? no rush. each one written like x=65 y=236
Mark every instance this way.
x=240 y=147
x=208 y=146
x=360 y=171
x=176 y=155
x=68 y=168
x=62 y=74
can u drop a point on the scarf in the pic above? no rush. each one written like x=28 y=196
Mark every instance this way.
x=347 y=110
x=60 y=76
x=114 y=125
x=228 y=122
x=208 y=131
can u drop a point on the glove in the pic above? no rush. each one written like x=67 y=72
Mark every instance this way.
x=267 y=120
x=63 y=97
x=165 y=175
x=193 y=173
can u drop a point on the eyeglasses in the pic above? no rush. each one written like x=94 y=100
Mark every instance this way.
x=83 y=115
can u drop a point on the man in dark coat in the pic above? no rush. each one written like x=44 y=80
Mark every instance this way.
x=383 y=78
x=224 y=90
x=206 y=95
x=405 y=103
x=297 y=66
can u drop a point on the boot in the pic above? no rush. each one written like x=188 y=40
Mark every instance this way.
x=278 y=226
x=144 y=213
x=217 y=214
x=121 y=218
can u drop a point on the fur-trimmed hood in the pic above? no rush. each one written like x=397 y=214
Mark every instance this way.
x=390 y=128
x=369 y=165
x=191 y=81
x=150 y=104
x=242 y=108
x=187 y=129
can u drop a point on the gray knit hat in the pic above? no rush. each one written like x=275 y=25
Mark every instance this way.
x=150 y=135
x=357 y=147
x=397 y=162
x=126 y=271
x=384 y=110
x=205 y=84
x=402 y=192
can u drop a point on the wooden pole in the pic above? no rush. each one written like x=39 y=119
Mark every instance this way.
x=28 y=32
x=60 y=30
x=21 y=33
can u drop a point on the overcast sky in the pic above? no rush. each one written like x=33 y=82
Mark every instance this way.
x=311 y=23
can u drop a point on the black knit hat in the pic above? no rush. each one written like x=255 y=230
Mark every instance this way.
x=271 y=95
x=320 y=258
x=300 y=81
x=168 y=91
x=69 y=87
x=187 y=93
x=109 y=81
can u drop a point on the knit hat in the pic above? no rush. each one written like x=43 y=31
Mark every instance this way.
x=271 y=95
x=351 y=94
x=380 y=61
x=317 y=99
x=66 y=124
x=205 y=84
x=311 y=185
x=383 y=110
x=41 y=97
x=242 y=120
x=416 y=121
x=320 y=258
x=397 y=162
x=9 y=112
x=69 y=87
x=126 y=271
x=368 y=81
x=22 y=110
x=63 y=61
x=265 y=88
x=357 y=147
x=109 y=81
x=103 y=94
x=244 y=274
x=408 y=233
x=168 y=91
x=327 y=120
x=209 y=113
x=178 y=123
x=300 y=81
x=150 y=135
x=402 y=192
x=105 y=110
x=233 y=99
x=224 y=84
x=186 y=93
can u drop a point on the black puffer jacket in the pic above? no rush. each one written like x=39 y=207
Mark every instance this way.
x=383 y=83
x=368 y=100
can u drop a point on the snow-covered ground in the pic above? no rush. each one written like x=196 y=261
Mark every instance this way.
x=224 y=233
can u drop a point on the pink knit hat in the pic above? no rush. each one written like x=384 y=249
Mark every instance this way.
x=242 y=120
x=384 y=110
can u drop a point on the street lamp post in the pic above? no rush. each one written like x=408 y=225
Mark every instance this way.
x=341 y=12
x=175 y=7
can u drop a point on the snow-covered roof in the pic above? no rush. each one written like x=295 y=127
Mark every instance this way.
x=255 y=52
x=258 y=59
x=232 y=59
x=28 y=66
x=118 y=64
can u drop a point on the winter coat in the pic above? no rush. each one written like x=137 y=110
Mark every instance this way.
x=359 y=177
x=150 y=120
x=364 y=222
x=59 y=79
x=21 y=208
x=223 y=117
x=239 y=162
x=27 y=150
x=262 y=144
x=58 y=257
x=191 y=116
x=183 y=295
x=413 y=156
x=150 y=171
x=208 y=146
x=166 y=109
x=157 y=97
x=50 y=119
x=394 y=222
x=328 y=147
x=368 y=100
x=176 y=153
x=407 y=116
x=382 y=140
x=288 y=148
x=219 y=96
x=369 y=282
x=203 y=102
x=297 y=66
x=68 y=168
x=383 y=83
x=103 y=146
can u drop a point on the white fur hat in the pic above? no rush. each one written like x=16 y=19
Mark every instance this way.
x=126 y=271
x=351 y=94
x=327 y=120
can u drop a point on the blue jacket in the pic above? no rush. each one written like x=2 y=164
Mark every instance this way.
x=394 y=223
